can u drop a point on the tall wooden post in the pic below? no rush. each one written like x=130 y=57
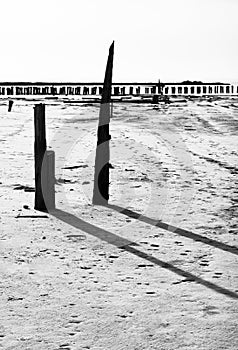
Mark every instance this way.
x=44 y=164
x=101 y=175
x=40 y=148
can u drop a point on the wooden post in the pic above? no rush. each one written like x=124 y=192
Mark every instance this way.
x=10 y=104
x=39 y=148
x=44 y=164
x=101 y=176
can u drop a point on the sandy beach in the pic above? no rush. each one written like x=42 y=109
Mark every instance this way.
x=157 y=268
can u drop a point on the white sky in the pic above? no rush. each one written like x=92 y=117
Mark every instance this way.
x=68 y=40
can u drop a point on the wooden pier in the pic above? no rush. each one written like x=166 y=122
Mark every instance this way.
x=81 y=90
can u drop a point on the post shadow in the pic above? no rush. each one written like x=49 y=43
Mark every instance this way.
x=128 y=246
x=181 y=232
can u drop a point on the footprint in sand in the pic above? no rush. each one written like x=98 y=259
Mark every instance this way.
x=210 y=310
x=217 y=275
x=204 y=264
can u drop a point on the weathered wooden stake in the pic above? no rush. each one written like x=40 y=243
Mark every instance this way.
x=44 y=164
x=101 y=175
x=10 y=104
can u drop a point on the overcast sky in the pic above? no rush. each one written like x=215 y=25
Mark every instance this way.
x=68 y=40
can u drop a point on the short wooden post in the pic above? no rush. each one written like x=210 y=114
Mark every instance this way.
x=10 y=104
x=39 y=148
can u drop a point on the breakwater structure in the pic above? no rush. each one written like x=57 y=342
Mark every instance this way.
x=186 y=88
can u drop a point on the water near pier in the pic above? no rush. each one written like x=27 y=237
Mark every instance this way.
x=157 y=268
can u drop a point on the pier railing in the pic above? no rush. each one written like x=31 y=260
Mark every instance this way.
x=121 y=89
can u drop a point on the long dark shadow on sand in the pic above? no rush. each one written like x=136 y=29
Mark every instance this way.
x=127 y=246
x=196 y=237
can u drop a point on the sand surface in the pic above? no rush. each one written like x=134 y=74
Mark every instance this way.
x=157 y=269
